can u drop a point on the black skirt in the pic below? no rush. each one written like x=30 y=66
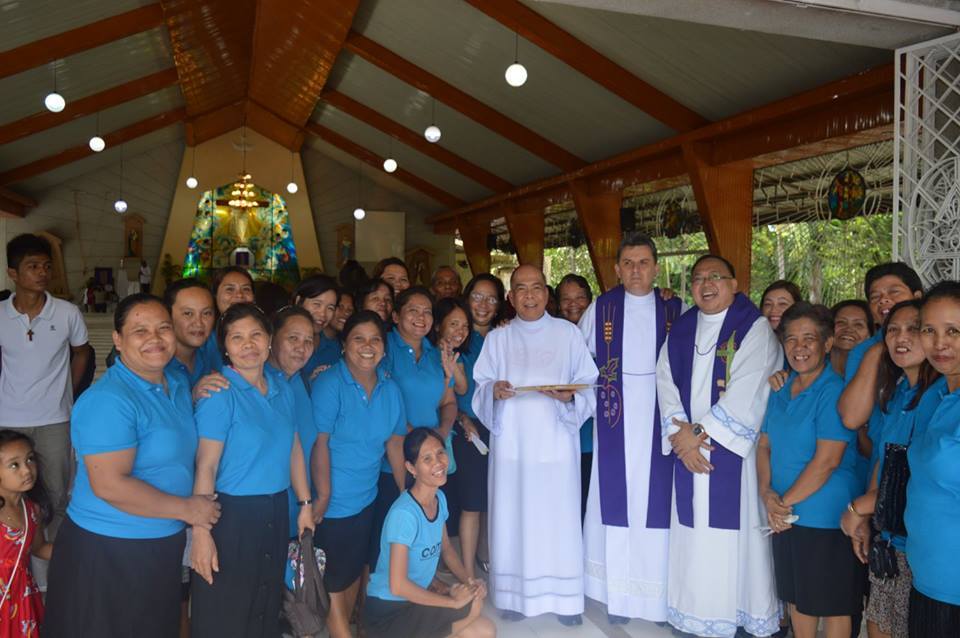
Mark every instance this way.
x=929 y=618
x=346 y=543
x=245 y=598
x=818 y=572
x=471 y=474
x=107 y=587
x=387 y=493
x=396 y=618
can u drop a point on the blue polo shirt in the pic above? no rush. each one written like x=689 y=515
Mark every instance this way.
x=469 y=359
x=326 y=352
x=303 y=420
x=211 y=352
x=201 y=366
x=793 y=425
x=407 y=524
x=933 y=503
x=256 y=432
x=855 y=358
x=124 y=411
x=874 y=423
x=359 y=428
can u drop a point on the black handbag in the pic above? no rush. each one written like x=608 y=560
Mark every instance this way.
x=307 y=606
x=892 y=491
x=883 y=559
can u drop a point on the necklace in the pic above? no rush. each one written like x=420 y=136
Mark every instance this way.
x=709 y=350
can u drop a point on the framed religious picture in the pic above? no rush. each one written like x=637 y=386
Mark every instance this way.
x=133 y=236
x=345 y=244
x=419 y=266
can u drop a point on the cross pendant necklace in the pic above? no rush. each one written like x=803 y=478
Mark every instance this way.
x=30 y=334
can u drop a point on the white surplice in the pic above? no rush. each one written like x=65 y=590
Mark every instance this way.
x=720 y=579
x=536 y=550
x=626 y=567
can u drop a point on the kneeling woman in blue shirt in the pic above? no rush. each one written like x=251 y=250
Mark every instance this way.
x=413 y=540
x=358 y=415
x=249 y=454
x=805 y=467
x=116 y=567
x=932 y=515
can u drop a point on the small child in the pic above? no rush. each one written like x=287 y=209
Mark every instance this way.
x=24 y=511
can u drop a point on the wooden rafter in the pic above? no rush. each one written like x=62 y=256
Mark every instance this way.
x=471 y=107
x=591 y=63
x=844 y=107
x=206 y=126
x=74 y=41
x=408 y=178
x=88 y=105
x=13 y=204
x=415 y=140
x=120 y=136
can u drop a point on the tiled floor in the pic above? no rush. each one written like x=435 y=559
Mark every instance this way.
x=594 y=626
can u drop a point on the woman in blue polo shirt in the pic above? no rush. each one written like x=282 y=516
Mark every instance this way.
x=116 y=567
x=377 y=295
x=414 y=538
x=932 y=515
x=358 y=415
x=319 y=295
x=192 y=309
x=290 y=349
x=230 y=285
x=416 y=366
x=484 y=303
x=249 y=454
x=805 y=467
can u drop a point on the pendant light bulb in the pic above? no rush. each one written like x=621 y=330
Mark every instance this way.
x=120 y=205
x=432 y=133
x=516 y=75
x=54 y=102
x=359 y=213
x=97 y=144
x=192 y=182
x=390 y=164
x=292 y=188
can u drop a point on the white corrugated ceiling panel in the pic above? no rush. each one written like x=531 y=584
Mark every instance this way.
x=24 y=21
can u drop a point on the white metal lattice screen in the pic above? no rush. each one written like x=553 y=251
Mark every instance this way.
x=926 y=178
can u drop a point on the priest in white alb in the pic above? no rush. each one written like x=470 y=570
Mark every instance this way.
x=627 y=524
x=712 y=389
x=536 y=549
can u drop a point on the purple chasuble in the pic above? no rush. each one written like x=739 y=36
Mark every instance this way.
x=611 y=459
x=725 y=477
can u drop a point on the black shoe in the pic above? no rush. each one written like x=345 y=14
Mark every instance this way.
x=570 y=621
x=617 y=620
x=511 y=616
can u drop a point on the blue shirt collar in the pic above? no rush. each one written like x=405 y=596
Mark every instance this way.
x=825 y=376
x=347 y=377
x=397 y=343
x=235 y=378
x=138 y=382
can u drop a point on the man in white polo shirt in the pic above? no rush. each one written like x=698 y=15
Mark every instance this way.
x=37 y=376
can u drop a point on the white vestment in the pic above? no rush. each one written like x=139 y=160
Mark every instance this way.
x=536 y=550
x=626 y=567
x=720 y=579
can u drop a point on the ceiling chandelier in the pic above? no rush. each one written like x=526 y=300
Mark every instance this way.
x=243 y=195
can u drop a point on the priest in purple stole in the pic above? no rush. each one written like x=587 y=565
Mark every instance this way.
x=627 y=523
x=712 y=390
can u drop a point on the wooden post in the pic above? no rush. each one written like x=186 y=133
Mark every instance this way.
x=474 y=236
x=725 y=203
x=599 y=215
x=526 y=232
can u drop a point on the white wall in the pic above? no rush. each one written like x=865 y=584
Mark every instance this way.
x=80 y=211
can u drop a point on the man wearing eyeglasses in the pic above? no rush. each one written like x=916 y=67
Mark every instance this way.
x=712 y=391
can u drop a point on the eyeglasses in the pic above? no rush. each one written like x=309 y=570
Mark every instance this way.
x=478 y=297
x=713 y=277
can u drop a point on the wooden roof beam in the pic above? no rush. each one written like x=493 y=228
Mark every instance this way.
x=267 y=123
x=408 y=178
x=591 y=63
x=62 y=45
x=88 y=105
x=116 y=138
x=13 y=204
x=455 y=98
x=413 y=139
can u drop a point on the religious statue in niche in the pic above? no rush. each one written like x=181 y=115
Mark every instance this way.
x=345 y=244
x=419 y=266
x=133 y=236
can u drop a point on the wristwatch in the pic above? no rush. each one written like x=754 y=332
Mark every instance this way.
x=698 y=430
x=305 y=503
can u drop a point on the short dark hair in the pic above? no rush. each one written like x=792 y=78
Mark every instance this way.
x=130 y=302
x=855 y=303
x=314 y=286
x=819 y=314
x=724 y=261
x=26 y=245
x=220 y=274
x=280 y=318
x=352 y=274
x=405 y=295
x=388 y=261
x=782 y=284
x=436 y=273
x=368 y=288
x=235 y=313
x=898 y=269
x=174 y=289
x=501 y=295
x=943 y=290
x=636 y=238
x=440 y=311
x=579 y=280
x=361 y=317
x=413 y=441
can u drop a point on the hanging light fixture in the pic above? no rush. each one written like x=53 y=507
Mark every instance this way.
x=292 y=185
x=243 y=195
x=390 y=164
x=54 y=101
x=121 y=204
x=97 y=143
x=516 y=73
x=432 y=132
x=192 y=180
x=358 y=212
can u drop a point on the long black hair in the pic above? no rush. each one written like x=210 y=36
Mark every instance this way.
x=440 y=311
x=889 y=373
x=37 y=494
x=501 y=294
